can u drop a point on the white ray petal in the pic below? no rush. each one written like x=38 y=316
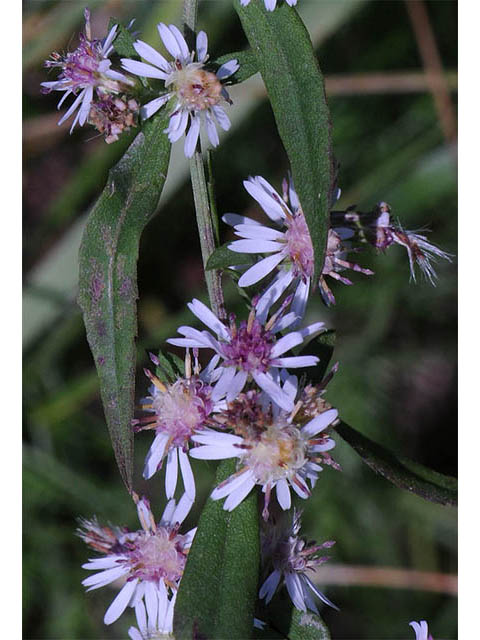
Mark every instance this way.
x=120 y=603
x=320 y=422
x=171 y=472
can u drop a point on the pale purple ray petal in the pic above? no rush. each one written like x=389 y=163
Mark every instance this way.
x=151 y=603
x=221 y=117
x=320 y=422
x=234 y=219
x=228 y=69
x=182 y=509
x=300 y=299
x=256 y=246
x=109 y=39
x=168 y=512
x=192 y=136
x=330 y=444
x=258 y=232
x=162 y=604
x=216 y=438
x=140 y=613
x=295 y=590
x=187 y=474
x=215 y=452
x=223 y=384
x=151 y=55
x=283 y=494
x=312 y=329
x=241 y=492
x=231 y=484
x=134 y=634
x=275 y=392
x=268 y=588
x=202 y=46
x=180 y=41
x=104 y=577
x=211 y=130
x=237 y=385
x=271 y=207
x=169 y=40
x=318 y=593
x=155 y=455
x=75 y=104
x=300 y=487
x=273 y=293
x=208 y=318
x=115 y=75
x=270 y=4
x=168 y=624
x=120 y=603
x=175 y=133
x=142 y=69
x=102 y=563
x=296 y=361
x=171 y=473
x=259 y=270
x=154 y=105
x=286 y=321
x=285 y=343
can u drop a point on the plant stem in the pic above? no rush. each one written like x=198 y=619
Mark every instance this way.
x=200 y=194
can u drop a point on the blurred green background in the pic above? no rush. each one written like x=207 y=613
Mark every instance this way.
x=396 y=341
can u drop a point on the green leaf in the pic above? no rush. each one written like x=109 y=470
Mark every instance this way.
x=217 y=595
x=108 y=277
x=247 y=61
x=285 y=621
x=222 y=258
x=403 y=473
x=123 y=42
x=295 y=87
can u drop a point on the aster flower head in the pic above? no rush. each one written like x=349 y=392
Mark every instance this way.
x=250 y=350
x=270 y=5
x=198 y=93
x=151 y=560
x=274 y=449
x=111 y=115
x=85 y=71
x=288 y=244
x=175 y=411
x=291 y=557
x=421 y=630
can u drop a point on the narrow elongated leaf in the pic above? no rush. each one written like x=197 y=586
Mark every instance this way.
x=108 y=277
x=169 y=368
x=123 y=42
x=216 y=599
x=295 y=87
x=403 y=473
x=247 y=61
x=223 y=257
x=283 y=620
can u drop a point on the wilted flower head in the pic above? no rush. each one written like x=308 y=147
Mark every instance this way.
x=289 y=245
x=274 y=450
x=421 y=630
x=377 y=229
x=111 y=115
x=198 y=93
x=175 y=412
x=151 y=560
x=269 y=4
x=250 y=350
x=84 y=71
x=291 y=557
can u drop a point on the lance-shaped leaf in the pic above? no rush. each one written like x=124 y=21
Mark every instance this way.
x=123 y=42
x=108 y=277
x=217 y=595
x=295 y=87
x=403 y=473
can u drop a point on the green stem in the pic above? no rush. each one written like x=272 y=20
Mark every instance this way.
x=203 y=211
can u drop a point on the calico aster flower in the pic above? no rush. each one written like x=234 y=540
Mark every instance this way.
x=198 y=93
x=289 y=246
x=151 y=560
x=274 y=451
x=84 y=71
x=250 y=350
x=269 y=4
x=291 y=557
x=157 y=625
x=421 y=630
x=175 y=411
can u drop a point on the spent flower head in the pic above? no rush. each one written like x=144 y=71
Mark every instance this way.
x=291 y=557
x=274 y=449
x=250 y=350
x=151 y=560
x=85 y=71
x=175 y=412
x=197 y=93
